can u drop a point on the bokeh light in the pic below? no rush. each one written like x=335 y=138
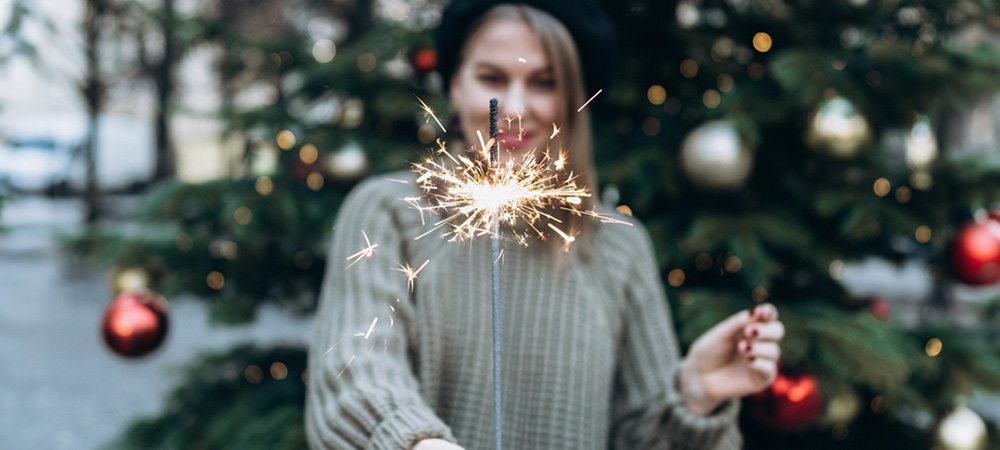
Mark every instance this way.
x=676 y=277
x=285 y=140
x=324 y=50
x=656 y=94
x=315 y=181
x=882 y=187
x=215 y=280
x=923 y=234
x=762 y=42
x=689 y=68
x=933 y=347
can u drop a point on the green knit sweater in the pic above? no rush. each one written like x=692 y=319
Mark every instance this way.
x=589 y=358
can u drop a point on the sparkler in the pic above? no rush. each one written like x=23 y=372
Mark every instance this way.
x=474 y=197
x=494 y=163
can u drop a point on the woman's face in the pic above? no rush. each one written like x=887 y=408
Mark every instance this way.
x=505 y=59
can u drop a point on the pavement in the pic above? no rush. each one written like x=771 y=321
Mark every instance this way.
x=60 y=386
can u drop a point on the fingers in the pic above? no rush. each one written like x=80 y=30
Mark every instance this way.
x=764 y=312
x=732 y=326
x=766 y=369
x=759 y=350
x=770 y=331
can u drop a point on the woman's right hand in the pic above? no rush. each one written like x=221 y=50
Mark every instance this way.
x=435 y=444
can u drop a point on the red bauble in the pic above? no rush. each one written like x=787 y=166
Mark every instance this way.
x=879 y=308
x=424 y=61
x=975 y=252
x=135 y=323
x=792 y=403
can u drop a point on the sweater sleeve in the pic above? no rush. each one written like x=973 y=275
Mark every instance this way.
x=650 y=412
x=362 y=392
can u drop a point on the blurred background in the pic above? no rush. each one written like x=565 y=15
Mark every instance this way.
x=170 y=170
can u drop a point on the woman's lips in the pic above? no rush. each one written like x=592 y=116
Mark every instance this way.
x=514 y=139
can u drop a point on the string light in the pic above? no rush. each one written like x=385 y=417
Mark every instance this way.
x=762 y=42
x=285 y=140
x=676 y=277
x=882 y=187
x=933 y=347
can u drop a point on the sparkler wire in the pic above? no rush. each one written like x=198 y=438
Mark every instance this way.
x=495 y=165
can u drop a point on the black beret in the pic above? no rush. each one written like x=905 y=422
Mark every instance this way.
x=585 y=20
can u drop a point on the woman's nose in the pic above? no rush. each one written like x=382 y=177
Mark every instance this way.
x=511 y=104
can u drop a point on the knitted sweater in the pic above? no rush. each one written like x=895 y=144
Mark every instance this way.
x=589 y=358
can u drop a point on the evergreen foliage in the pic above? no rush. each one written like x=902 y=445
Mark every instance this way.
x=800 y=216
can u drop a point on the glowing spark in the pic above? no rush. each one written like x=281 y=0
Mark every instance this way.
x=525 y=61
x=555 y=131
x=334 y=345
x=366 y=252
x=429 y=114
x=591 y=99
x=604 y=218
x=560 y=162
x=398 y=181
x=562 y=234
x=411 y=274
x=345 y=368
x=371 y=328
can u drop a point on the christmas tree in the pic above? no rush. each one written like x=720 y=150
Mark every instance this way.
x=768 y=146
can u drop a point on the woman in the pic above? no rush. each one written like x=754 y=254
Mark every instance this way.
x=590 y=360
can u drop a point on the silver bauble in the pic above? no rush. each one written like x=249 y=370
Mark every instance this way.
x=348 y=163
x=838 y=129
x=962 y=429
x=713 y=156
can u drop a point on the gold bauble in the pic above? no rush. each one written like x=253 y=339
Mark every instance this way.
x=130 y=279
x=838 y=129
x=841 y=408
x=713 y=156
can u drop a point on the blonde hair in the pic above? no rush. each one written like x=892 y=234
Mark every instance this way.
x=577 y=135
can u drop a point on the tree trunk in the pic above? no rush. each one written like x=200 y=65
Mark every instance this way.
x=163 y=78
x=92 y=91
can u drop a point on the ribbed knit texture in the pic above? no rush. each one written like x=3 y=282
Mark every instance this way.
x=589 y=355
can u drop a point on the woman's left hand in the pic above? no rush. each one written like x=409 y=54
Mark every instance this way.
x=737 y=357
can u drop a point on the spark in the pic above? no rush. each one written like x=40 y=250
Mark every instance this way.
x=429 y=114
x=525 y=61
x=397 y=181
x=334 y=345
x=604 y=218
x=345 y=368
x=366 y=252
x=555 y=130
x=411 y=274
x=591 y=99
x=372 y=327
x=560 y=162
x=562 y=234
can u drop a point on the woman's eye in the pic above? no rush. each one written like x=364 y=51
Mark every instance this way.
x=546 y=83
x=489 y=78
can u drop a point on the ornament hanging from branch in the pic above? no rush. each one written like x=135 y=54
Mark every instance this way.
x=792 y=403
x=975 y=251
x=838 y=129
x=713 y=156
x=135 y=321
